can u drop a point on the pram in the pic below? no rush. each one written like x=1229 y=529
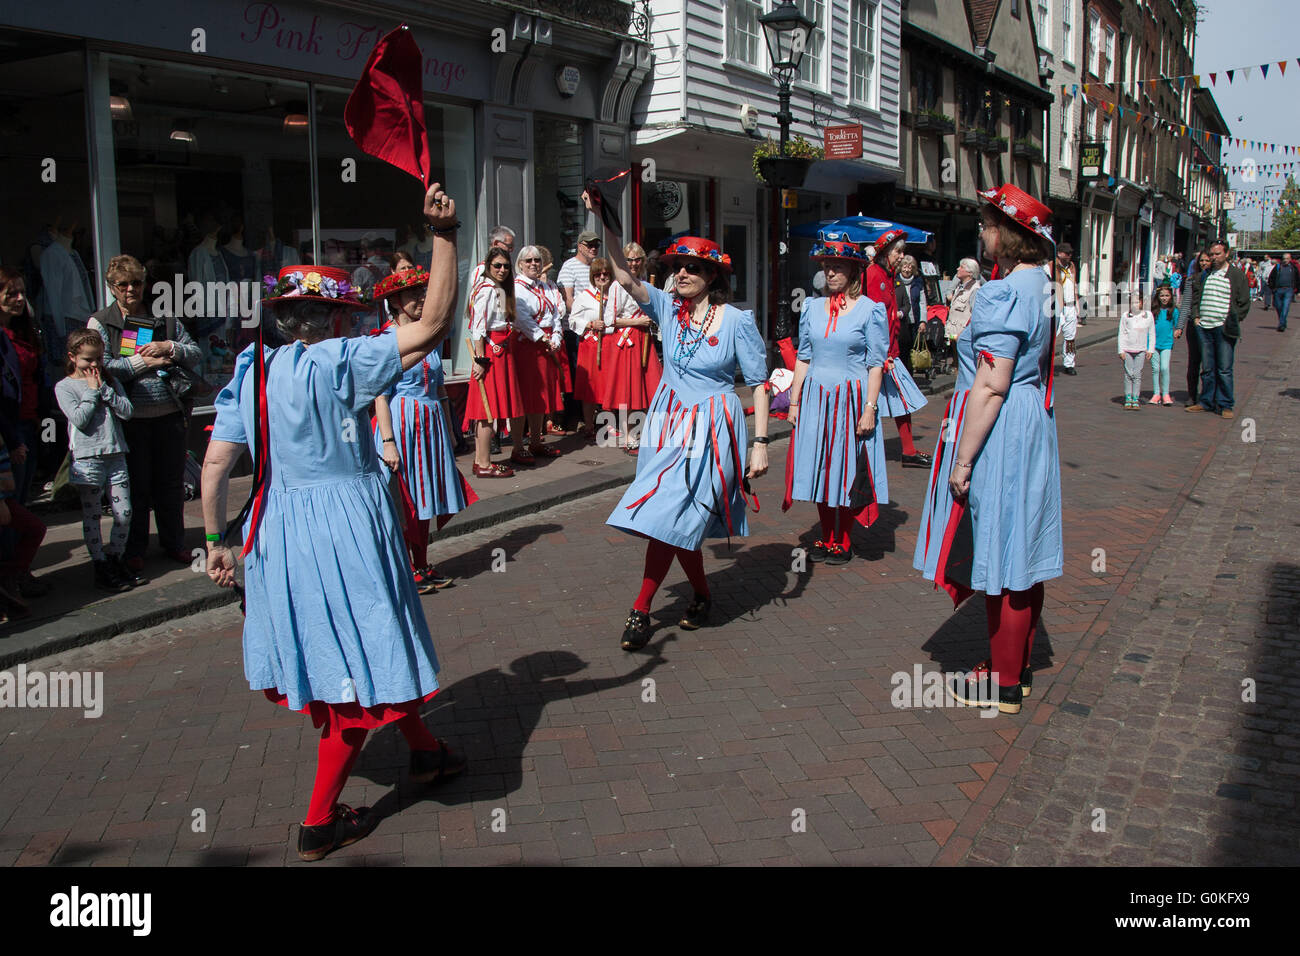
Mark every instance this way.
x=936 y=339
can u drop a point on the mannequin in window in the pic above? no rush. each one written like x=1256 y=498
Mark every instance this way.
x=66 y=296
x=241 y=263
x=207 y=264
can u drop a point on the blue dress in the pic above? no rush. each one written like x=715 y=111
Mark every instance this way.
x=899 y=394
x=690 y=468
x=1013 y=537
x=333 y=614
x=825 y=452
x=424 y=441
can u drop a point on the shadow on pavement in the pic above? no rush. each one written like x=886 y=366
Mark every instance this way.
x=756 y=577
x=962 y=641
x=469 y=565
x=490 y=716
x=1262 y=828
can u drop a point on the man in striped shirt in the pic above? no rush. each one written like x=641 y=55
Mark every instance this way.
x=1220 y=301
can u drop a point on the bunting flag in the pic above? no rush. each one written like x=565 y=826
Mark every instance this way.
x=1263 y=70
x=1281 y=65
x=1213 y=76
x=1230 y=72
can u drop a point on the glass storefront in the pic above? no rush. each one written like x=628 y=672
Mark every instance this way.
x=558 y=212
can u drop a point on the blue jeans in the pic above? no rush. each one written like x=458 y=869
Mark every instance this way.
x=1216 y=369
x=1282 y=302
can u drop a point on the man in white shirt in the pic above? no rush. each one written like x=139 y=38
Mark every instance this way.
x=1067 y=304
x=575 y=274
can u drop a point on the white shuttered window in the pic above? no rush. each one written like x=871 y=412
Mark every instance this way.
x=864 y=40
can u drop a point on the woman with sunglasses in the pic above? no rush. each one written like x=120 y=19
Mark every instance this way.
x=156 y=433
x=493 y=390
x=592 y=320
x=689 y=482
x=555 y=420
x=843 y=346
x=539 y=351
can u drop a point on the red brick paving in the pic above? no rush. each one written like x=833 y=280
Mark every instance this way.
x=780 y=714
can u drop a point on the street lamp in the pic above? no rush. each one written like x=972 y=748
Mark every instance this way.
x=787 y=32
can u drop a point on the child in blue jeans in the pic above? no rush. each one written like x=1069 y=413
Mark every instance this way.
x=1166 y=318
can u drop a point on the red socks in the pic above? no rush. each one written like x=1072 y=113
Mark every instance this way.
x=334 y=759
x=904 y=423
x=417 y=735
x=658 y=559
x=827 y=516
x=845 y=518
x=1012 y=616
x=417 y=540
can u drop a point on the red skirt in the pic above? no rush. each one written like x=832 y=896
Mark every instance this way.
x=626 y=383
x=538 y=370
x=589 y=382
x=353 y=715
x=500 y=383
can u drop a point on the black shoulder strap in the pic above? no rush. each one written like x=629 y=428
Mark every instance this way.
x=259 y=473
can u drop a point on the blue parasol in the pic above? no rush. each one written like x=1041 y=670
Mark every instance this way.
x=856 y=229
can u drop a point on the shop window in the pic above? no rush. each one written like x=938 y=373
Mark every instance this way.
x=43 y=164
x=927 y=81
x=212 y=187
x=367 y=216
x=669 y=208
x=972 y=105
x=558 y=215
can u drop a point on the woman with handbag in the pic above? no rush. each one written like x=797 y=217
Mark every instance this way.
x=843 y=345
x=158 y=376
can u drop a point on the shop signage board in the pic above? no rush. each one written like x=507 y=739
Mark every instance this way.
x=311 y=38
x=1092 y=157
x=843 y=142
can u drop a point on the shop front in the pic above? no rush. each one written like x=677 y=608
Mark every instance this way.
x=217 y=154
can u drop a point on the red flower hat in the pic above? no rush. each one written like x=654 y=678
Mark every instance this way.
x=694 y=247
x=834 y=249
x=1021 y=208
x=393 y=283
x=314 y=284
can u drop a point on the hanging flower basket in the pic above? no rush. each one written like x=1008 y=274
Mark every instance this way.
x=785 y=171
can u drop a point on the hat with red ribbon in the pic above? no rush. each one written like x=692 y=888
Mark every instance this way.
x=826 y=248
x=416 y=278
x=314 y=284
x=1021 y=208
x=693 y=247
x=887 y=239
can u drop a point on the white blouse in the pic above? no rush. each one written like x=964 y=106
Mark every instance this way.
x=539 y=310
x=487 y=310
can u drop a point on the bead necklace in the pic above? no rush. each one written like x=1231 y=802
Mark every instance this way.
x=687 y=347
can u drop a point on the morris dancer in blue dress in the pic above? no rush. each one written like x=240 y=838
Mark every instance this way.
x=413 y=436
x=843 y=346
x=334 y=626
x=689 y=485
x=992 y=518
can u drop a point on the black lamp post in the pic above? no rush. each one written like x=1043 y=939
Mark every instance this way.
x=787 y=32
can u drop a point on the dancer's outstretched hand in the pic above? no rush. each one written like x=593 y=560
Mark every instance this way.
x=439 y=208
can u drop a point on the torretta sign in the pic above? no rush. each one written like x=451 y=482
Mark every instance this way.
x=844 y=142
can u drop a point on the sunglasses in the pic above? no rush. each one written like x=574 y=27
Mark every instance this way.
x=526 y=261
x=499 y=265
x=603 y=275
x=132 y=284
x=692 y=268
x=637 y=259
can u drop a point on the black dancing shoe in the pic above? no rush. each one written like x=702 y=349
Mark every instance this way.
x=348 y=826
x=107 y=578
x=434 y=766
x=697 y=613
x=977 y=690
x=836 y=555
x=1026 y=676
x=637 y=632
x=919 y=460
x=818 y=552
x=133 y=578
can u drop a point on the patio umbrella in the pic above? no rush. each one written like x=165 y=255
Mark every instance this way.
x=857 y=229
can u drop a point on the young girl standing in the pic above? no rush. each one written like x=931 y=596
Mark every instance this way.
x=95 y=406
x=1166 y=321
x=1137 y=344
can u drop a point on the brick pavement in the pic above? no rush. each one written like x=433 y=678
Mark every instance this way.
x=770 y=738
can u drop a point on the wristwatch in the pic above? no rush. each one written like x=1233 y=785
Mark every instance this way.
x=761 y=439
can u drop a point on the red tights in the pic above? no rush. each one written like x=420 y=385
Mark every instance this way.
x=417 y=541
x=658 y=559
x=904 y=423
x=336 y=754
x=1013 y=619
x=836 y=523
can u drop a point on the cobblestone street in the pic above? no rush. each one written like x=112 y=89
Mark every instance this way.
x=769 y=737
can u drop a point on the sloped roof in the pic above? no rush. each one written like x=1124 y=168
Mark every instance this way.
x=980 y=15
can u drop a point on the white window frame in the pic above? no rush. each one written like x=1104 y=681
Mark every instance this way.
x=1107 y=128
x=818 y=33
x=1043 y=23
x=732 y=55
x=1109 y=75
x=856 y=54
x=1066 y=160
x=1094 y=40
x=1090 y=121
x=1067 y=31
